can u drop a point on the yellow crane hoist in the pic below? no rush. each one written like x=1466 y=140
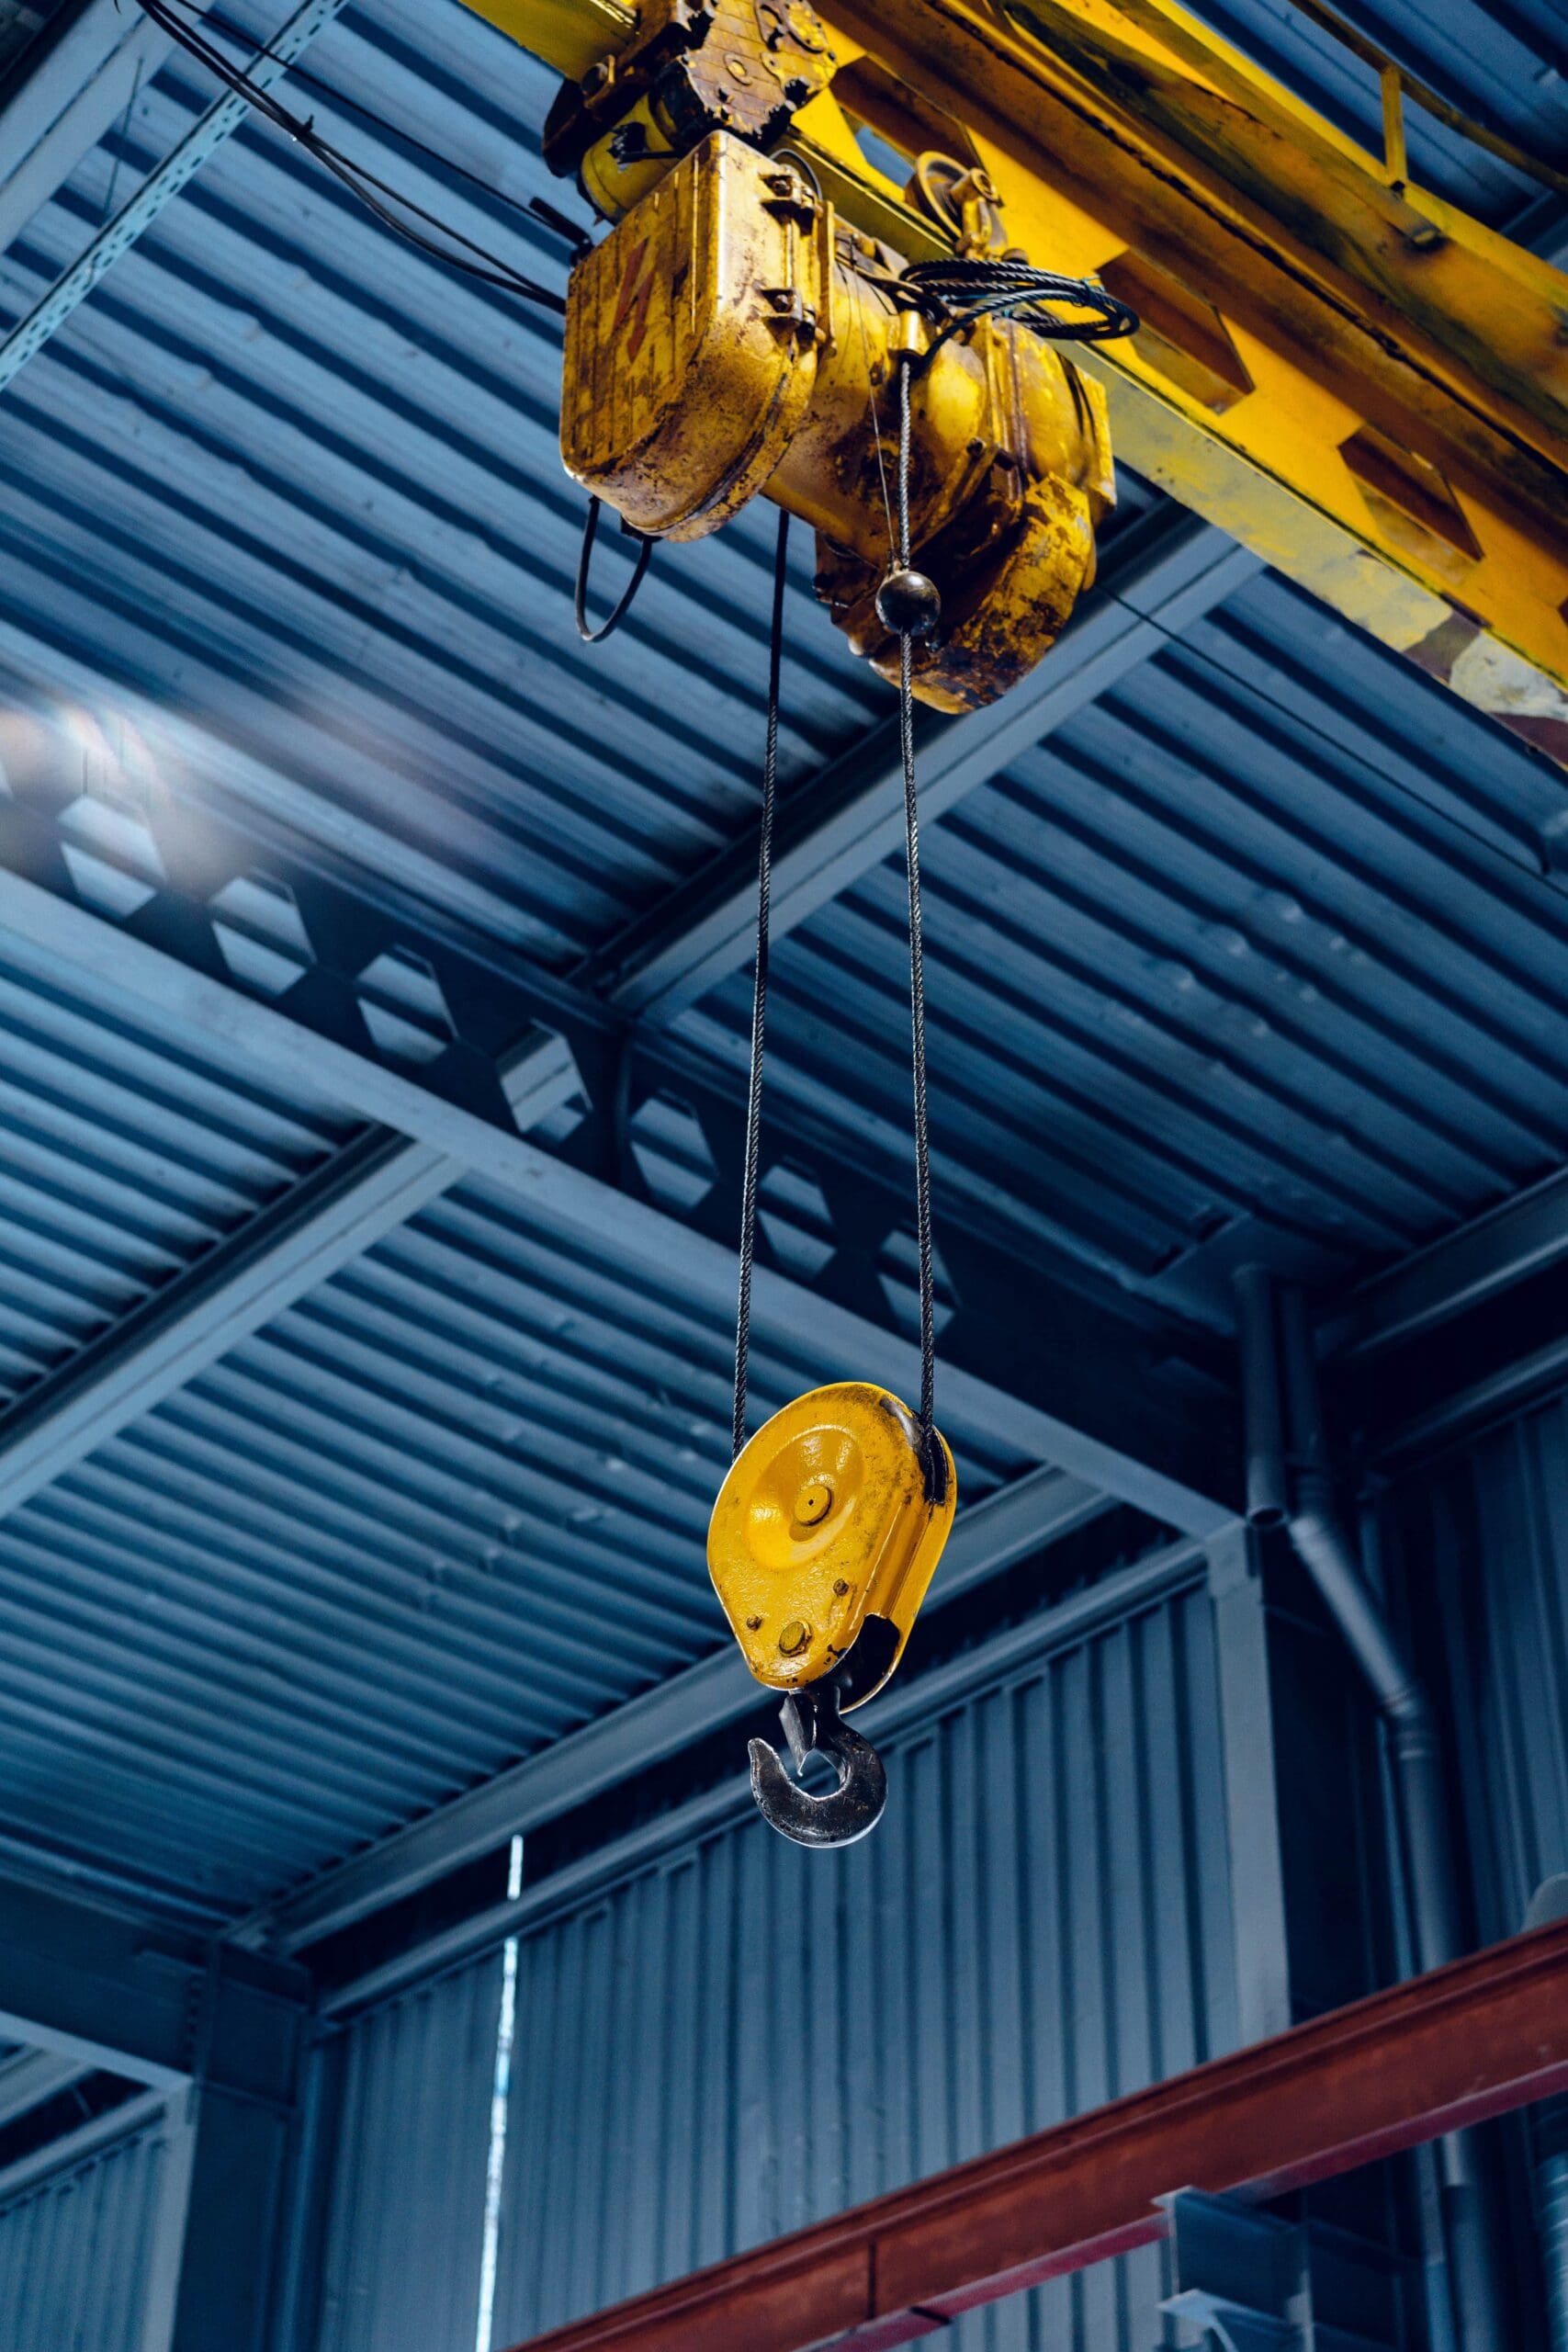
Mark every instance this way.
x=734 y=335
x=731 y=336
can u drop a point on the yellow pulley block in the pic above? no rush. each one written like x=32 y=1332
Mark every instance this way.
x=822 y=1543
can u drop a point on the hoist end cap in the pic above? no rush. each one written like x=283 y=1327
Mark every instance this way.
x=827 y=1518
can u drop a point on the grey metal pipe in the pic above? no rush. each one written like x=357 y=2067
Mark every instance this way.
x=1326 y=1553
x=1267 y=1487
x=1330 y=1559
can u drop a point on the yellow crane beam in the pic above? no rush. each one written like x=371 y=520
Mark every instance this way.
x=1359 y=382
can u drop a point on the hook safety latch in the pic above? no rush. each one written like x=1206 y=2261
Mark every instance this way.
x=814 y=1726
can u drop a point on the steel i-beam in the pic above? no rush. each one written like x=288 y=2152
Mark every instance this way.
x=1430 y=2056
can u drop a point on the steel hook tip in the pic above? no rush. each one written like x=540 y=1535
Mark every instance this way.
x=855 y=1806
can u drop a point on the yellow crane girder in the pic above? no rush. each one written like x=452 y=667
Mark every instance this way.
x=1347 y=374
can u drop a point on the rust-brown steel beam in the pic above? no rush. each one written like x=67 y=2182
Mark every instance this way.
x=1434 y=2054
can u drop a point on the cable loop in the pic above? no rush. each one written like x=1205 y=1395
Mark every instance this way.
x=589 y=635
x=956 y=292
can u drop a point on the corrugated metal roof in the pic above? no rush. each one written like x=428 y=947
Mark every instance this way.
x=291 y=482
x=1260 y=938
x=124 y=1154
x=451 y=1506
x=300 y=482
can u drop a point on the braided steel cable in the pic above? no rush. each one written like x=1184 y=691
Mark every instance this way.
x=955 y=292
x=759 y=996
x=917 y=955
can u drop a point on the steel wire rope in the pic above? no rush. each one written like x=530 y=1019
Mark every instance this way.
x=760 y=996
x=924 y=1234
x=957 y=292
x=917 y=961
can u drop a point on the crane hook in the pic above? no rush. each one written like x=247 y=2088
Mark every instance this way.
x=813 y=1725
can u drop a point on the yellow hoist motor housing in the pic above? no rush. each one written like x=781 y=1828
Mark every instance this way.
x=826 y=1536
x=691 y=345
x=730 y=336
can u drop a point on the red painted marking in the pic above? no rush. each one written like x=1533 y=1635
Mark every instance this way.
x=634 y=299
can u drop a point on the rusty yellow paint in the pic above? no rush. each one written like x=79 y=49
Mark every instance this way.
x=822 y=1522
x=1086 y=176
x=569 y=34
x=1355 y=307
x=691 y=343
x=721 y=340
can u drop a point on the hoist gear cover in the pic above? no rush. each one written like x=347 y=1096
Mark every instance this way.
x=829 y=1530
x=691 y=341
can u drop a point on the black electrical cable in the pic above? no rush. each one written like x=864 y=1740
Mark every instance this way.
x=389 y=204
x=532 y=208
x=589 y=635
x=917 y=961
x=760 y=993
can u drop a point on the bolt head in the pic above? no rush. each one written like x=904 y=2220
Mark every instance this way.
x=909 y=604
x=754 y=1625
x=813 y=1503
x=795 y=1638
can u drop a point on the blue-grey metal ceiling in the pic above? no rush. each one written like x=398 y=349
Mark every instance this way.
x=1503 y=63
x=448 y=1508
x=1259 y=943
x=123 y=1156
x=1266 y=943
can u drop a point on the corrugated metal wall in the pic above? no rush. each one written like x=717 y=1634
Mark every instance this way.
x=412 y=2088
x=1477 y=1545
x=1480 y=1540
x=74 y=2250
x=1043 y=1922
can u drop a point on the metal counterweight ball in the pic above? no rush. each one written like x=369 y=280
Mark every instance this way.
x=909 y=604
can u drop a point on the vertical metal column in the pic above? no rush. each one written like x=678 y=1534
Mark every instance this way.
x=1288 y=1376
x=1549 y=2131
x=1252 y=1806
